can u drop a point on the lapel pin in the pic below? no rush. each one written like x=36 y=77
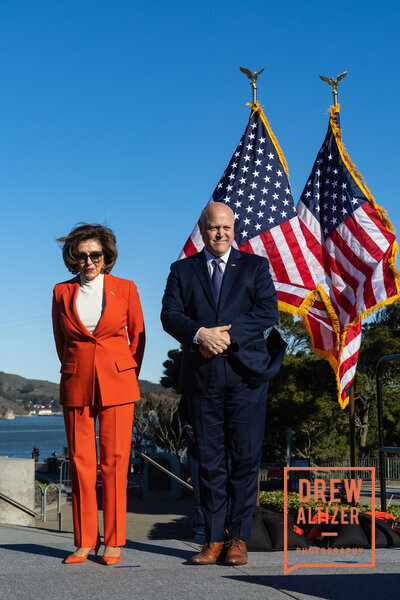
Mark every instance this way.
x=233 y=265
x=111 y=292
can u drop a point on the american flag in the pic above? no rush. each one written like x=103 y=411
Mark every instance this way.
x=352 y=254
x=332 y=261
x=256 y=187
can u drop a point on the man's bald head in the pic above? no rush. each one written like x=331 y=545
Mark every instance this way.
x=217 y=228
x=212 y=209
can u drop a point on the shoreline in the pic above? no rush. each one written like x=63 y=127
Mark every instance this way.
x=54 y=414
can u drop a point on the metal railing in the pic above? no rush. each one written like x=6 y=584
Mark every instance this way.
x=65 y=473
x=18 y=505
x=391 y=467
x=164 y=470
x=43 y=502
x=44 y=512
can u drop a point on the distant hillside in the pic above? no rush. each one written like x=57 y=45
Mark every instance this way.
x=20 y=394
x=149 y=386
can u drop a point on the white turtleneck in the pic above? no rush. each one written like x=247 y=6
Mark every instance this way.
x=90 y=301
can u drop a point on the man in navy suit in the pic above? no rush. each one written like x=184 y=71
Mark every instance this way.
x=218 y=304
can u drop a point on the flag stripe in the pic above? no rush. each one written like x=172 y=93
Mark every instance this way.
x=275 y=257
x=323 y=335
x=333 y=260
x=312 y=233
x=294 y=300
x=349 y=357
x=371 y=212
x=292 y=233
x=350 y=248
x=389 y=289
x=355 y=264
x=282 y=246
x=189 y=248
x=358 y=268
x=255 y=185
x=365 y=231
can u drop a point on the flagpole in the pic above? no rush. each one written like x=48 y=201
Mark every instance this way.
x=352 y=432
x=334 y=83
x=253 y=78
x=352 y=420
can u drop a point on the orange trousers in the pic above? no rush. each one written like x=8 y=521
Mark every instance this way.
x=115 y=433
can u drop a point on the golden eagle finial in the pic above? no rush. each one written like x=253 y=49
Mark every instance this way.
x=334 y=83
x=253 y=78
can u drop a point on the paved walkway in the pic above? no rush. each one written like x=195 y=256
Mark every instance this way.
x=145 y=519
x=155 y=565
x=31 y=567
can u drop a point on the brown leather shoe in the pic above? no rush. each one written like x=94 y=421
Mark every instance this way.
x=209 y=554
x=237 y=553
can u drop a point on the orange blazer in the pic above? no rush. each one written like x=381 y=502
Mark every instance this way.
x=113 y=352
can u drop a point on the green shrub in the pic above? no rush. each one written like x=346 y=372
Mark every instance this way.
x=275 y=501
x=42 y=483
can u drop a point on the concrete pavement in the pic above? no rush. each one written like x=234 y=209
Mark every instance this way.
x=145 y=519
x=31 y=566
x=155 y=565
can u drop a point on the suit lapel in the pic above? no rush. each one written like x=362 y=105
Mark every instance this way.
x=231 y=271
x=199 y=265
x=69 y=298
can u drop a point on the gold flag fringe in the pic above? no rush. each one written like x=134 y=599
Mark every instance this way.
x=302 y=311
x=257 y=108
x=341 y=336
x=337 y=132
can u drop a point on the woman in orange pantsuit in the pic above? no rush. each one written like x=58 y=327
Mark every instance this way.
x=99 y=335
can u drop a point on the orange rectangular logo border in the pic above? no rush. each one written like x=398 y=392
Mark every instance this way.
x=286 y=568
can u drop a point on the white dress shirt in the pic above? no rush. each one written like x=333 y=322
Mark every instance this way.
x=90 y=301
x=210 y=258
x=211 y=267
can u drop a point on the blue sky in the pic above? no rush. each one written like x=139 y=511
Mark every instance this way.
x=127 y=112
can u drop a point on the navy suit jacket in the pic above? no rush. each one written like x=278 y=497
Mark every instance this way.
x=247 y=302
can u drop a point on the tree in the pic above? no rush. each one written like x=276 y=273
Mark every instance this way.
x=381 y=336
x=156 y=421
x=172 y=367
x=294 y=333
x=303 y=395
x=141 y=424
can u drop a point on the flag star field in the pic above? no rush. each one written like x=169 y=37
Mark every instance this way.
x=255 y=185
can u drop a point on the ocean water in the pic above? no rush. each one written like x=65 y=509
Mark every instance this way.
x=19 y=436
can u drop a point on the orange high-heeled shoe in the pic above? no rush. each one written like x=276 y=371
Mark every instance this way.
x=111 y=560
x=74 y=559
